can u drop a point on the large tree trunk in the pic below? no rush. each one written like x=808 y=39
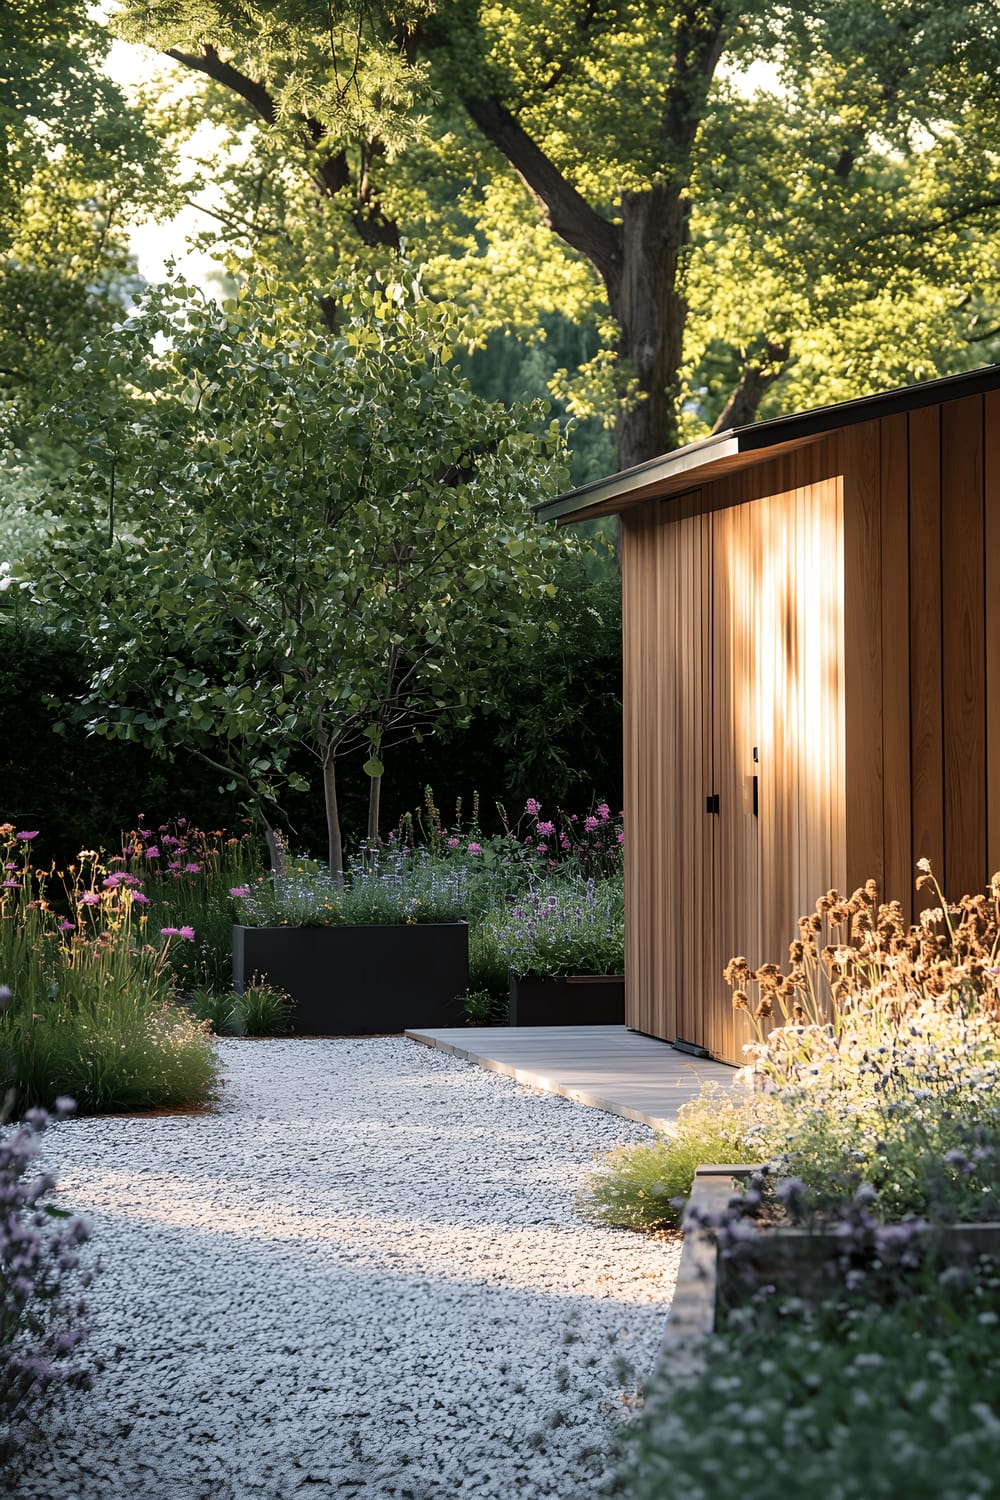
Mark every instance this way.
x=648 y=304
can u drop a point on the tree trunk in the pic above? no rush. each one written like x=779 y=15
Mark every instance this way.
x=334 y=841
x=374 y=803
x=649 y=306
x=275 y=848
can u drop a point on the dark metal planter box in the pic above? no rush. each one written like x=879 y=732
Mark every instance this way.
x=567 y=1000
x=360 y=980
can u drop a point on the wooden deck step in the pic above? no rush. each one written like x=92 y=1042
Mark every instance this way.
x=607 y=1067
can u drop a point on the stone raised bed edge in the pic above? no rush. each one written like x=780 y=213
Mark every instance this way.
x=793 y=1259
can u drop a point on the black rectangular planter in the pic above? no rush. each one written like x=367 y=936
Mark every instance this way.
x=359 y=980
x=567 y=1000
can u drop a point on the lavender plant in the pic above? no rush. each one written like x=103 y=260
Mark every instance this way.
x=41 y=1328
x=861 y=1398
x=384 y=884
x=566 y=927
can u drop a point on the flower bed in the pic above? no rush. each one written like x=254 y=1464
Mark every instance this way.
x=869 y=1232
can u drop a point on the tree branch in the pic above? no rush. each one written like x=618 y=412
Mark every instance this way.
x=250 y=90
x=758 y=376
x=564 y=210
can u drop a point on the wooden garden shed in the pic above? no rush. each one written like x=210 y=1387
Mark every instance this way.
x=811 y=648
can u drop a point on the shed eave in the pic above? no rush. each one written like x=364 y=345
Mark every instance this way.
x=697 y=462
x=621 y=488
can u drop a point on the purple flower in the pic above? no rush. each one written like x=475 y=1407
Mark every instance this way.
x=90 y=898
x=603 y=811
x=192 y=869
x=110 y=883
x=12 y=885
x=152 y=852
x=564 y=840
x=533 y=807
x=142 y=900
x=170 y=932
x=475 y=848
x=239 y=890
x=454 y=843
x=590 y=824
x=26 y=836
x=621 y=837
x=66 y=926
x=546 y=828
x=186 y=932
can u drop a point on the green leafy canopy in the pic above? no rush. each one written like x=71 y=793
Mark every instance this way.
x=276 y=536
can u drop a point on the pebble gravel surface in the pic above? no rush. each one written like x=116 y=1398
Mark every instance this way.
x=358 y=1276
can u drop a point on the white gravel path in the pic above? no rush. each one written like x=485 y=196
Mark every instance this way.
x=359 y=1277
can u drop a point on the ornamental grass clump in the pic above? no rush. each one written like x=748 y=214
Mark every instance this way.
x=92 y=1014
x=41 y=1327
x=565 y=926
x=644 y=1186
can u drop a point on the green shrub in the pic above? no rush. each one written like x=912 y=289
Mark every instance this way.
x=640 y=1187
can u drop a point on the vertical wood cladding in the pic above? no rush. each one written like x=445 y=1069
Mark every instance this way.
x=836 y=610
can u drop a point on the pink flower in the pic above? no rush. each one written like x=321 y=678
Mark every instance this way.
x=542 y=848
x=152 y=852
x=170 y=932
x=621 y=837
x=90 y=898
x=186 y=932
x=138 y=896
x=546 y=828
x=590 y=824
x=603 y=811
x=239 y=890
x=12 y=885
x=533 y=807
x=26 y=836
x=111 y=882
x=66 y=926
x=564 y=840
x=454 y=843
x=475 y=848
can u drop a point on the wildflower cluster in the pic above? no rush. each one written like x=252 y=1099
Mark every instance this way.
x=188 y=874
x=856 y=956
x=92 y=980
x=535 y=843
x=40 y=1327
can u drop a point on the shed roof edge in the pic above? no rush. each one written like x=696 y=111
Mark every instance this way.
x=757 y=437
